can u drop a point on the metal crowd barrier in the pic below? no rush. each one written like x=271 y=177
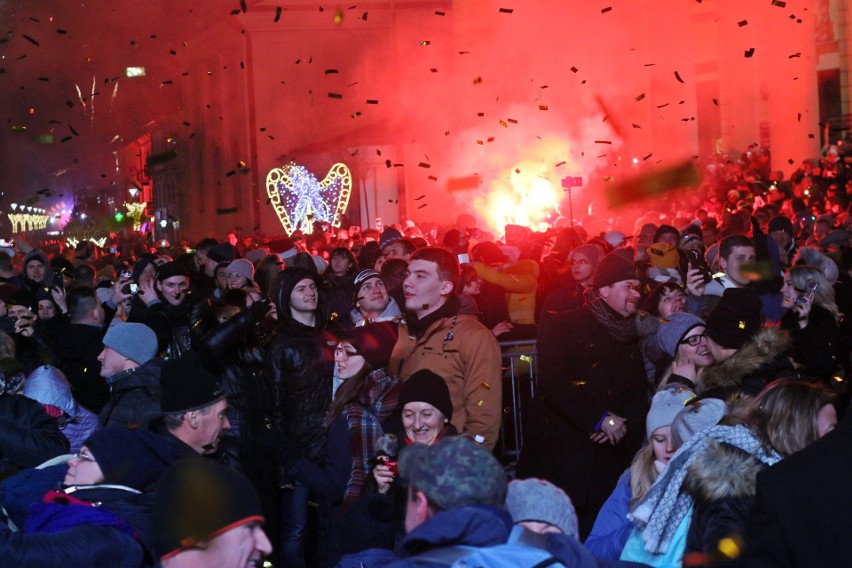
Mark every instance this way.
x=519 y=376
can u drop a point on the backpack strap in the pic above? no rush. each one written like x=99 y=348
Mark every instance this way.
x=445 y=556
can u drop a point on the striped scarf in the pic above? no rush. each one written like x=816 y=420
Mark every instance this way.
x=661 y=511
x=374 y=404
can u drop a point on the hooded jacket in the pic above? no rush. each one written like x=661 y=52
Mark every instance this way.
x=722 y=482
x=299 y=368
x=757 y=363
x=135 y=398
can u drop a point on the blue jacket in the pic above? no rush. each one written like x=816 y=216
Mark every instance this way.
x=612 y=527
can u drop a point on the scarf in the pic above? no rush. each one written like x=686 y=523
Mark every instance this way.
x=448 y=309
x=364 y=416
x=661 y=511
x=617 y=326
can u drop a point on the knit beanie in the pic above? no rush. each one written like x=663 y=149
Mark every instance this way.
x=140 y=267
x=673 y=329
x=663 y=230
x=695 y=417
x=665 y=405
x=368 y=255
x=663 y=255
x=186 y=385
x=36 y=255
x=197 y=500
x=243 y=267
x=136 y=341
x=223 y=252
x=591 y=252
x=540 y=501
x=735 y=319
x=455 y=472
x=135 y=458
x=360 y=279
x=389 y=236
x=374 y=342
x=614 y=268
x=170 y=269
x=426 y=386
x=781 y=223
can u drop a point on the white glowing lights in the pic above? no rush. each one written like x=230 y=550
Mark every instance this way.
x=299 y=199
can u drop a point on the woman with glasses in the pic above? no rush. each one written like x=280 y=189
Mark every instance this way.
x=101 y=514
x=681 y=337
x=364 y=398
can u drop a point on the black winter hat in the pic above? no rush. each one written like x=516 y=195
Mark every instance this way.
x=197 y=500
x=781 y=223
x=665 y=229
x=288 y=279
x=186 y=385
x=614 y=268
x=223 y=252
x=134 y=458
x=374 y=342
x=170 y=269
x=426 y=386
x=736 y=318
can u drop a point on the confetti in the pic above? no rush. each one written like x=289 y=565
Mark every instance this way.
x=574 y=69
x=512 y=120
x=335 y=96
x=715 y=102
x=388 y=163
x=799 y=117
x=677 y=76
x=607 y=9
x=795 y=55
x=779 y=3
x=648 y=156
x=433 y=70
x=424 y=165
x=422 y=206
x=485 y=385
x=364 y=16
x=419 y=198
x=29 y=39
x=243 y=6
x=372 y=101
x=790 y=161
x=639 y=97
x=603 y=142
x=664 y=105
x=504 y=124
x=742 y=23
x=542 y=107
x=230 y=173
x=636 y=126
x=433 y=178
x=74 y=132
x=356 y=114
x=477 y=81
x=66 y=139
x=506 y=10
x=440 y=13
x=425 y=42
x=749 y=52
x=61 y=31
x=277 y=14
x=331 y=71
x=560 y=164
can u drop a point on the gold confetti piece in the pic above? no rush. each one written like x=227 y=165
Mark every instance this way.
x=356 y=114
x=609 y=178
x=485 y=385
x=425 y=42
x=578 y=383
x=526 y=358
x=504 y=124
x=479 y=402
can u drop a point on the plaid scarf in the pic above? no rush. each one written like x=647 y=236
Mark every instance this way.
x=374 y=404
x=661 y=511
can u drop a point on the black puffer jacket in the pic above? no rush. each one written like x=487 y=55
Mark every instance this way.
x=29 y=436
x=299 y=367
x=135 y=397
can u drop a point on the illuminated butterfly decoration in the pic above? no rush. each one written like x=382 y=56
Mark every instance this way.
x=298 y=197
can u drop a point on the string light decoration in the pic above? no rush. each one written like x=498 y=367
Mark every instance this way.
x=299 y=199
x=72 y=242
x=135 y=211
x=25 y=222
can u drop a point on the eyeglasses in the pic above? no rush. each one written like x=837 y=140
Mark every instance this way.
x=693 y=340
x=344 y=353
x=80 y=456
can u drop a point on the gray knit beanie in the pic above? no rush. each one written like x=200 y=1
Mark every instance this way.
x=539 y=500
x=674 y=328
x=135 y=341
x=665 y=405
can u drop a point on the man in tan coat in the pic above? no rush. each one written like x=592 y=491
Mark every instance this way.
x=458 y=348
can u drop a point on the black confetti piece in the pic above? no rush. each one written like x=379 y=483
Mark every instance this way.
x=331 y=71
x=61 y=31
x=29 y=39
x=433 y=178
x=372 y=101
x=603 y=142
x=424 y=165
x=779 y=3
x=422 y=206
x=66 y=139
x=235 y=12
x=677 y=76
x=230 y=173
x=506 y=10
x=388 y=163
x=715 y=102
x=795 y=55
x=335 y=96
x=648 y=156
x=607 y=9
x=419 y=198
x=742 y=23
x=243 y=6
x=639 y=97
x=277 y=14
x=440 y=13
x=749 y=52
x=574 y=69
x=74 y=132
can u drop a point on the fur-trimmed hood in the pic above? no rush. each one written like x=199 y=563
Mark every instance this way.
x=722 y=472
x=764 y=354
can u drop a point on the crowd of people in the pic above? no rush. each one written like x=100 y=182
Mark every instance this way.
x=335 y=397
